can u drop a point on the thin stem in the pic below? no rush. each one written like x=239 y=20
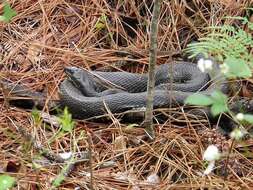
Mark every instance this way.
x=227 y=159
x=148 y=122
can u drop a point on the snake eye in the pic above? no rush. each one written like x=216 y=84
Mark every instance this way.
x=69 y=70
x=72 y=72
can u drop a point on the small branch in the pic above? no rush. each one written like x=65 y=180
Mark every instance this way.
x=227 y=160
x=148 y=122
x=90 y=160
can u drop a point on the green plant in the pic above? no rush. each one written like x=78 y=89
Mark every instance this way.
x=66 y=125
x=224 y=42
x=68 y=165
x=231 y=46
x=6 y=182
x=66 y=121
x=217 y=101
x=101 y=23
x=8 y=14
x=36 y=117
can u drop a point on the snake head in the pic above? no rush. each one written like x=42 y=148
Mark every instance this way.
x=74 y=74
x=81 y=79
x=71 y=71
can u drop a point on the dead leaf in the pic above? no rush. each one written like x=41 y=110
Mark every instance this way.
x=120 y=143
x=33 y=53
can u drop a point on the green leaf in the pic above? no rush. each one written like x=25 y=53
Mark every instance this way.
x=131 y=126
x=101 y=23
x=199 y=99
x=66 y=121
x=6 y=182
x=217 y=109
x=8 y=13
x=250 y=25
x=219 y=103
x=248 y=118
x=36 y=116
x=99 y=26
x=219 y=97
x=237 y=68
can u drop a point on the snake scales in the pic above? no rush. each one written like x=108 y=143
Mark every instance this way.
x=86 y=97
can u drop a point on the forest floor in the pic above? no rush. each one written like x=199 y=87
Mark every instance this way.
x=45 y=36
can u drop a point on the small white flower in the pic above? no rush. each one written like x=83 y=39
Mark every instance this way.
x=237 y=134
x=208 y=64
x=240 y=116
x=153 y=179
x=66 y=155
x=211 y=154
x=224 y=68
x=201 y=65
x=205 y=64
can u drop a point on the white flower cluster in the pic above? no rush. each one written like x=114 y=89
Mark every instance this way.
x=237 y=134
x=240 y=116
x=205 y=64
x=211 y=155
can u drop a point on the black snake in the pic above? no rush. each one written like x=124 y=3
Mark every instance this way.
x=85 y=96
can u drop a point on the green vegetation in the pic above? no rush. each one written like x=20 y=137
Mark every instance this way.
x=66 y=122
x=36 y=117
x=217 y=101
x=226 y=42
x=230 y=46
x=8 y=14
x=101 y=23
x=67 y=125
x=6 y=182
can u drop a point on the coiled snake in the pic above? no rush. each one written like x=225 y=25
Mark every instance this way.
x=85 y=96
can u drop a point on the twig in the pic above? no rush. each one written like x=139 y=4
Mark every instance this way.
x=90 y=161
x=148 y=122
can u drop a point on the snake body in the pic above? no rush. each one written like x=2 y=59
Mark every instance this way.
x=86 y=97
